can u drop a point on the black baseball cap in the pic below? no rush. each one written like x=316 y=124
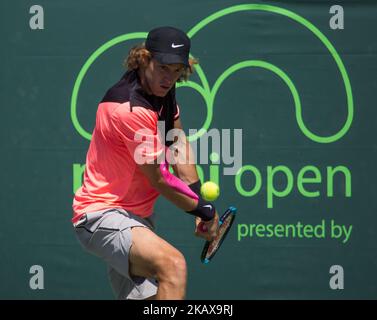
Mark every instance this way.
x=169 y=45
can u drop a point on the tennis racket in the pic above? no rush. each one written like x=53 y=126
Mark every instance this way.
x=225 y=223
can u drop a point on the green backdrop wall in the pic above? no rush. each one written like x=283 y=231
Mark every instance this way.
x=316 y=114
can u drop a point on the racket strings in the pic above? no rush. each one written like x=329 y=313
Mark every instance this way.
x=221 y=232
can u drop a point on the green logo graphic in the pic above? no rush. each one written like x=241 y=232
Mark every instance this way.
x=209 y=94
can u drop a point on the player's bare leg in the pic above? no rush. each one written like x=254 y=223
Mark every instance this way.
x=151 y=256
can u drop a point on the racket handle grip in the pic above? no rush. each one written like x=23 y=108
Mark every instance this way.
x=202 y=227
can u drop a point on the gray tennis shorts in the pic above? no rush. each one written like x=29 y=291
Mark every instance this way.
x=107 y=234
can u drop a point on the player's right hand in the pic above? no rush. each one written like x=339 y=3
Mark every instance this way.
x=207 y=229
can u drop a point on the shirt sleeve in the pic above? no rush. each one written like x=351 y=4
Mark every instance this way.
x=139 y=132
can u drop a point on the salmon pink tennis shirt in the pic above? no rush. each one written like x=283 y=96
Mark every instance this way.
x=126 y=118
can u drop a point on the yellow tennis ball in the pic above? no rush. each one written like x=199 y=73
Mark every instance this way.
x=210 y=191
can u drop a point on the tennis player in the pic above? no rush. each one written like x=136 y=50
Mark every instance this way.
x=126 y=170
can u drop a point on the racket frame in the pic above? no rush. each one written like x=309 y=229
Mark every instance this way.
x=230 y=211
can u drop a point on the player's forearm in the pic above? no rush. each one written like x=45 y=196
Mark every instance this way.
x=186 y=172
x=179 y=199
x=197 y=207
x=185 y=168
x=174 y=189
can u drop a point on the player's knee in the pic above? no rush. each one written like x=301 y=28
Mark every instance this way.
x=172 y=268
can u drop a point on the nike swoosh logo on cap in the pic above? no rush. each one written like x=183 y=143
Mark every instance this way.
x=207 y=206
x=176 y=45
